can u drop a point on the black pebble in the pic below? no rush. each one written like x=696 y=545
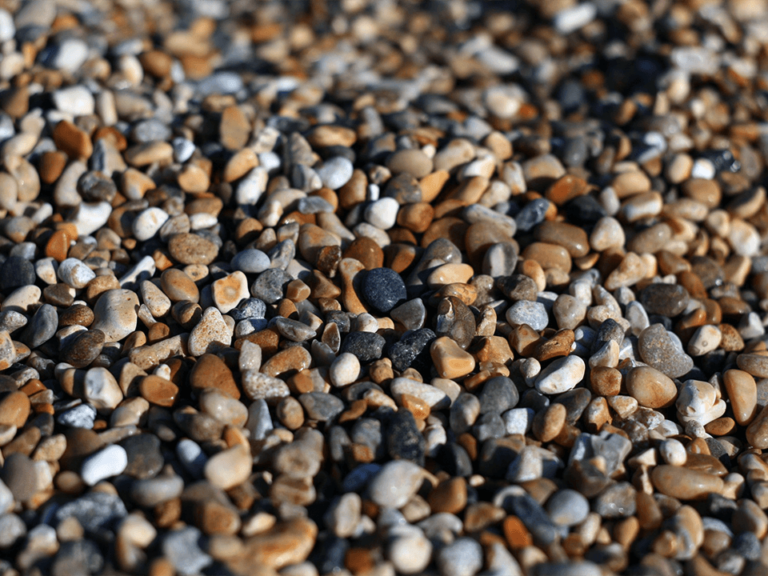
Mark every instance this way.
x=413 y=351
x=367 y=346
x=531 y=214
x=144 y=457
x=453 y=458
x=404 y=441
x=15 y=273
x=499 y=394
x=584 y=210
x=383 y=289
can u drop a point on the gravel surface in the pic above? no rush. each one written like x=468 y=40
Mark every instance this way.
x=366 y=288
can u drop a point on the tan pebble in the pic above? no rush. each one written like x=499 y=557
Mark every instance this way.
x=754 y=364
x=742 y=392
x=685 y=484
x=159 y=391
x=651 y=388
x=229 y=468
x=239 y=165
x=193 y=179
x=211 y=371
x=287 y=543
x=450 y=360
x=192 y=249
x=72 y=141
x=548 y=256
x=630 y=271
x=14 y=409
x=631 y=183
x=449 y=497
x=234 y=128
x=570 y=237
x=450 y=274
x=548 y=423
x=229 y=291
x=294 y=358
x=148 y=153
x=757 y=431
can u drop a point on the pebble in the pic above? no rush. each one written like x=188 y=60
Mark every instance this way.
x=561 y=375
x=663 y=352
x=567 y=508
x=533 y=314
x=383 y=289
x=115 y=314
x=395 y=483
x=463 y=557
x=105 y=463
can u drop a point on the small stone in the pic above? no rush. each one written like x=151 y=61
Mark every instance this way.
x=534 y=314
x=661 y=350
x=704 y=340
x=104 y=464
x=345 y=370
x=464 y=557
x=100 y=389
x=450 y=360
x=650 y=387
x=115 y=314
x=209 y=334
x=561 y=375
x=335 y=172
x=251 y=261
x=190 y=248
x=143 y=452
x=396 y=483
x=567 y=508
x=383 y=289
x=182 y=548
x=664 y=299
x=14 y=409
x=320 y=406
x=229 y=468
x=742 y=392
x=685 y=483
x=148 y=223
x=229 y=291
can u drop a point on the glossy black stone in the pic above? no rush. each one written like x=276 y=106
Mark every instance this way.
x=383 y=289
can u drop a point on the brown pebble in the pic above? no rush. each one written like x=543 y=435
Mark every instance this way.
x=159 y=391
x=450 y=496
x=685 y=484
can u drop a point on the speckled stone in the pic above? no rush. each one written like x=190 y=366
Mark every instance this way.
x=383 y=289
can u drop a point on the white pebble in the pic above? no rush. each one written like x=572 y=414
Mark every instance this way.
x=148 y=223
x=673 y=452
x=344 y=370
x=105 y=463
x=382 y=213
x=560 y=376
x=705 y=339
x=74 y=273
